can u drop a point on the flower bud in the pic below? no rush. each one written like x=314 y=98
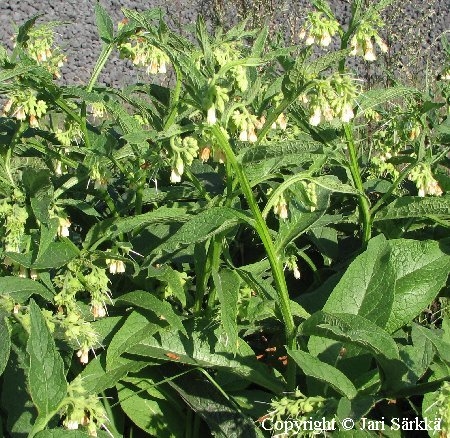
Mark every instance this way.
x=316 y=116
x=211 y=116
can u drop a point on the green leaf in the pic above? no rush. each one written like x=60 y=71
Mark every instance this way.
x=434 y=336
x=151 y=410
x=206 y=400
x=380 y=96
x=408 y=207
x=136 y=328
x=162 y=309
x=352 y=329
x=421 y=269
x=61 y=433
x=5 y=344
x=48 y=233
x=20 y=289
x=305 y=144
x=205 y=347
x=56 y=255
x=301 y=218
x=112 y=227
x=227 y=284
x=313 y=367
x=205 y=225
x=172 y=278
x=97 y=379
x=368 y=285
x=46 y=377
x=104 y=23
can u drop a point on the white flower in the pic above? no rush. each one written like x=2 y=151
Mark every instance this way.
x=369 y=53
x=116 y=266
x=316 y=116
x=71 y=424
x=302 y=33
x=252 y=137
x=296 y=271
x=382 y=45
x=175 y=177
x=325 y=40
x=33 y=274
x=204 y=154
x=328 y=114
x=310 y=40
x=282 y=122
x=98 y=311
x=243 y=136
x=64 y=225
x=83 y=354
x=347 y=113
x=211 y=116
x=34 y=122
x=421 y=192
x=162 y=68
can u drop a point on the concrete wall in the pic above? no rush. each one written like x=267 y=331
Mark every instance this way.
x=413 y=27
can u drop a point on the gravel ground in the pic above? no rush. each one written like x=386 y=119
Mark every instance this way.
x=411 y=24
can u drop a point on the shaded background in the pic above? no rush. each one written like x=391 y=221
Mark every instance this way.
x=413 y=30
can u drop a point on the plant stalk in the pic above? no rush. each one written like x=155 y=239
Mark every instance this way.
x=274 y=260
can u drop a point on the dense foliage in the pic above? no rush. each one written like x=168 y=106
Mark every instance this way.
x=263 y=242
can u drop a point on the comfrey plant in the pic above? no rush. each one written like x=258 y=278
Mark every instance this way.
x=243 y=250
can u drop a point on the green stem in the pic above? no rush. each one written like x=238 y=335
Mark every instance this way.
x=215 y=262
x=363 y=202
x=275 y=261
x=175 y=98
x=138 y=200
x=101 y=61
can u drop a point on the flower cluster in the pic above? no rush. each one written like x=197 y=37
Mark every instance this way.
x=362 y=42
x=246 y=124
x=229 y=52
x=442 y=404
x=319 y=30
x=15 y=217
x=24 y=105
x=330 y=98
x=309 y=194
x=291 y=264
x=280 y=207
x=183 y=153
x=424 y=180
x=40 y=46
x=144 y=54
x=301 y=408
x=80 y=408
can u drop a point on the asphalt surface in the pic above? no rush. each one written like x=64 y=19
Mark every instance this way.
x=413 y=27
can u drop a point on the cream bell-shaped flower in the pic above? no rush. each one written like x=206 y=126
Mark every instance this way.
x=347 y=113
x=310 y=40
x=83 y=354
x=64 y=225
x=325 y=40
x=316 y=116
x=211 y=115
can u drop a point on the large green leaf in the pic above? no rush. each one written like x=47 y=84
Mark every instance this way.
x=151 y=410
x=222 y=416
x=204 y=225
x=110 y=228
x=20 y=289
x=414 y=207
x=421 y=270
x=227 y=284
x=206 y=347
x=324 y=372
x=46 y=377
x=5 y=344
x=353 y=329
x=162 y=309
x=367 y=286
x=105 y=25
x=136 y=328
x=56 y=255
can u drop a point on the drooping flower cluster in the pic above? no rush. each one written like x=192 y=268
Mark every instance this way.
x=80 y=408
x=442 y=406
x=331 y=98
x=217 y=98
x=228 y=52
x=362 y=42
x=40 y=46
x=319 y=29
x=183 y=153
x=15 y=217
x=24 y=105
x=291 y=264
x=246 y=125
x=425 y=182
x=301 y=408
x=143 y=54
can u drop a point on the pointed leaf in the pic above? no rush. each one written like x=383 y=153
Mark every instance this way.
x=313 y=367
x=162 y=309
x=227 y=284
x=104 y=23
x=46 y=377
x=20 y=289
x=5 y=344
